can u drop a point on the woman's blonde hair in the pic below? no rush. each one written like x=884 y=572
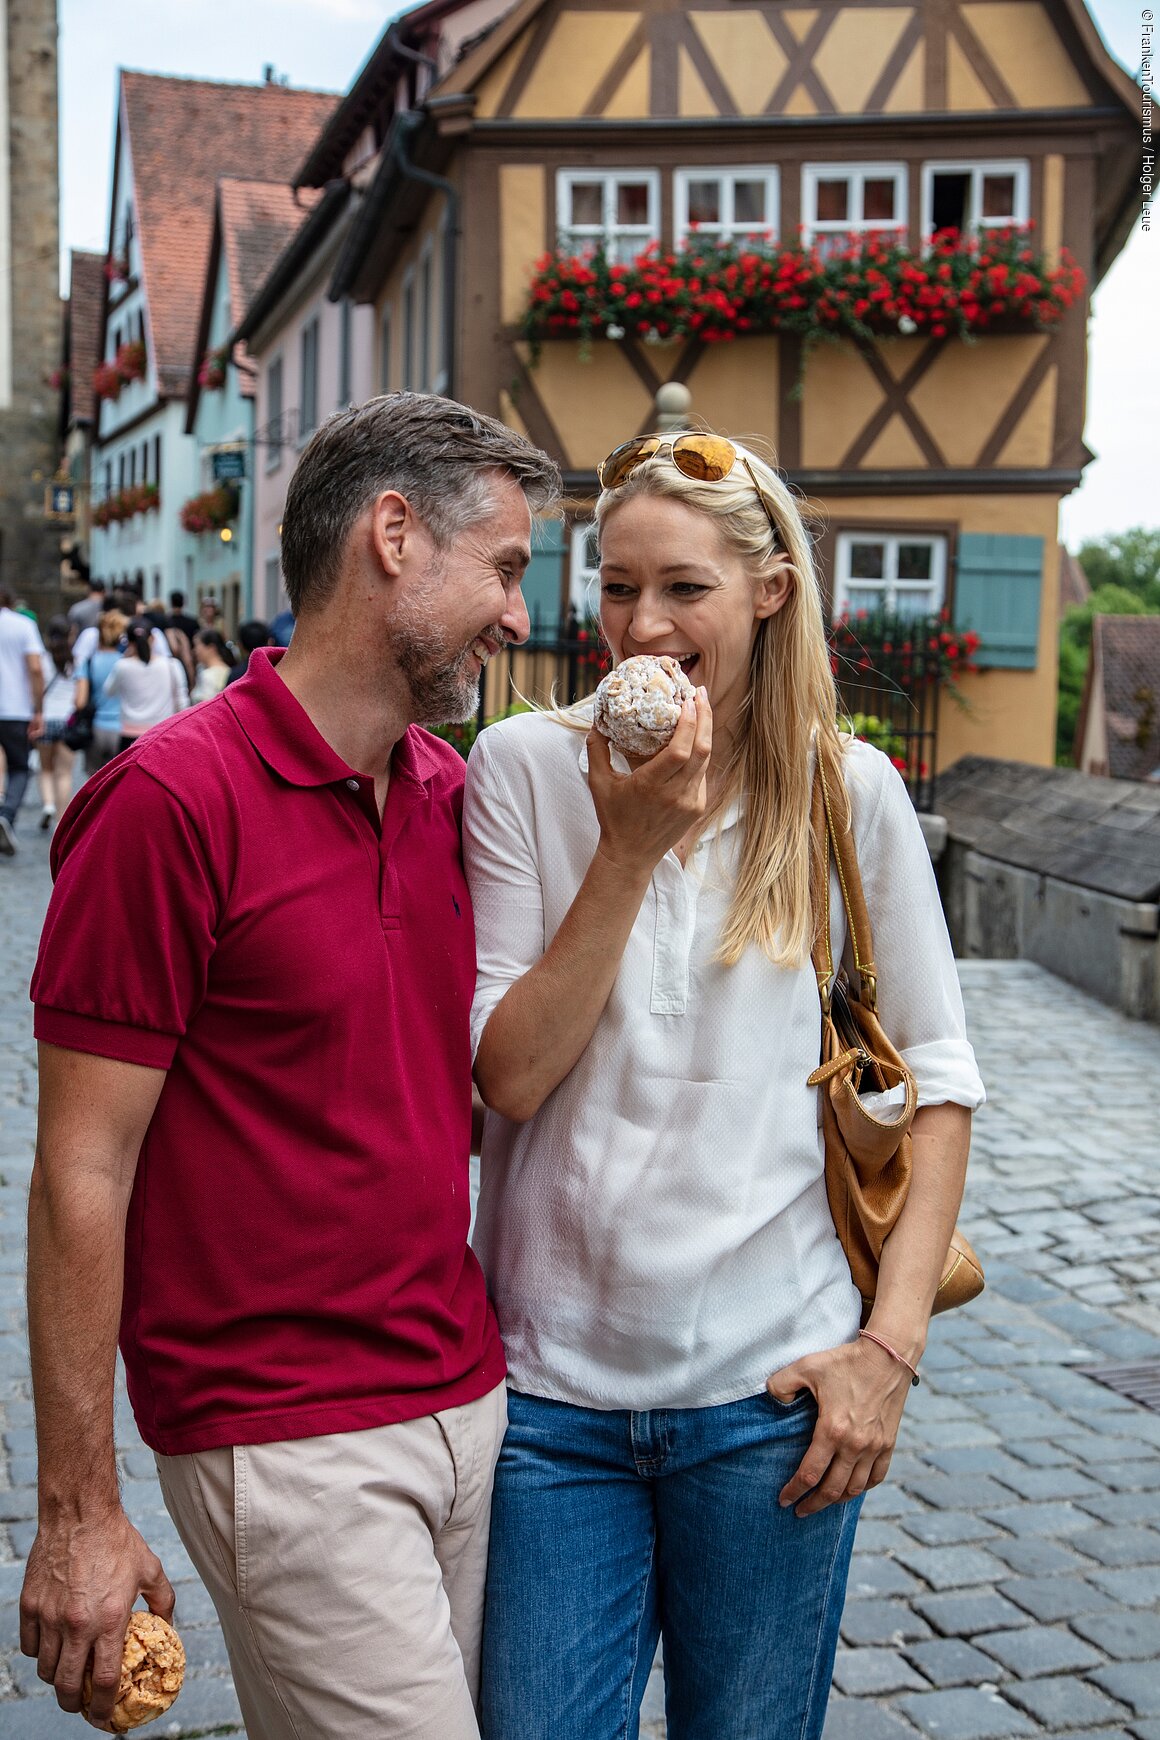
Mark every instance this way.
x=111 y=627
x=790 y=706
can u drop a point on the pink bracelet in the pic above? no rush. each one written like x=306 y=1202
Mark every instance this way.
x=894 y=1354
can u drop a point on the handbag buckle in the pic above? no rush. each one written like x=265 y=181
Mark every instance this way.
x=825 y=980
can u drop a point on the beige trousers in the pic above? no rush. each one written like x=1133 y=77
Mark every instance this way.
x=348 y=1572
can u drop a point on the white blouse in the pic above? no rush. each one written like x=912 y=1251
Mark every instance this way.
x=658 y=1234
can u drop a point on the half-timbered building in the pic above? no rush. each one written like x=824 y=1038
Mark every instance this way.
x=936 y=463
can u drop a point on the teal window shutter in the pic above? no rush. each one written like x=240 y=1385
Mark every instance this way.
x=544 y=581
x=998 y=583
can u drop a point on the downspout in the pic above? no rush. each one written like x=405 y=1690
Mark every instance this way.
x=409 y=122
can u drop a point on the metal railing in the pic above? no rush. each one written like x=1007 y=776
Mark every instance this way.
x=890 y=694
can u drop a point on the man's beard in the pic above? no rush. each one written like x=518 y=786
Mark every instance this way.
x=444 y=685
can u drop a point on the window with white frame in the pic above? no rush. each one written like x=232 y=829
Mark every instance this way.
x=723 y=204
x=844 y=199
x=273 y=436
x=974 y=196
x=408 y=334
x=425 y=318
x=439 y=362
x=385 y=352
x=584 y=571
x=617 y=207
x=904 y=572
x=308 y=381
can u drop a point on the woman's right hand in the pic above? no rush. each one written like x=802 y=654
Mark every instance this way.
x=643 y=814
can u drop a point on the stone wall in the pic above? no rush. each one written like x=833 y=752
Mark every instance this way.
x=30 y=545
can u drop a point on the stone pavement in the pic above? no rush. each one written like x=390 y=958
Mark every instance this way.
x=1007 y=1577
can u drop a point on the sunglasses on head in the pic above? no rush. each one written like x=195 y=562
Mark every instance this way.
x=704 y=458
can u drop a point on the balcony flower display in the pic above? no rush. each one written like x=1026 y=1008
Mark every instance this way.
x=126 y=503
x=131 y=360
x=107 y=382
x=866 y=287
x=211 y=510
x=117 y=269
x=137 y=498
x=211 y=375
x=901 y=652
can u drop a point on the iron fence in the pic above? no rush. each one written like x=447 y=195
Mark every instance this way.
x=889 y=690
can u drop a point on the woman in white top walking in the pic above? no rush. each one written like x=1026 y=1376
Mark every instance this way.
x=693 y=1415
x=149 y=686
x=60 y=700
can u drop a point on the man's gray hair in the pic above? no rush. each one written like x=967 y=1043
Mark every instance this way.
x=433 y=451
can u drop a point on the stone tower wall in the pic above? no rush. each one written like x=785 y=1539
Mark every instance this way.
x=30 y=546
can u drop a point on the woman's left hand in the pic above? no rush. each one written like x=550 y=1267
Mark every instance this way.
x=861 y=1392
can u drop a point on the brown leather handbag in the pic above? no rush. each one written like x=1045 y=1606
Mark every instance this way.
x=868 y=1157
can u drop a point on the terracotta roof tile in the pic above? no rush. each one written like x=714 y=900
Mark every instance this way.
x=1129 y=649
x=258 y=220
x=86 y=300
x=1074 y=586
x=184 y=134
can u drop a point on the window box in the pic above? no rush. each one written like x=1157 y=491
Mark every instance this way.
x=868 y=286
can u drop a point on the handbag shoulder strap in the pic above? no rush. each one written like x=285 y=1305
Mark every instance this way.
x=833 y=833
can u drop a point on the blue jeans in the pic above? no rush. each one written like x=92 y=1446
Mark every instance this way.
x=611 y=1528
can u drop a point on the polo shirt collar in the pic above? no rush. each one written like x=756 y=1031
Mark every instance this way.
x=289 y=742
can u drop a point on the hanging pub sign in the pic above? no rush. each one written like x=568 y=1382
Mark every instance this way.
x=59 y=501
x=229 y=464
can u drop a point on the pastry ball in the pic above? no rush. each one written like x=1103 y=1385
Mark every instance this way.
x=639 y=703
x=152 y=1669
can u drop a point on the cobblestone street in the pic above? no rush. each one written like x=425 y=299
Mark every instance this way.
x=1007 y=1577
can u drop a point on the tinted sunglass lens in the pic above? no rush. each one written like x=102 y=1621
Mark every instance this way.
x=624 y=459
x=707 y=458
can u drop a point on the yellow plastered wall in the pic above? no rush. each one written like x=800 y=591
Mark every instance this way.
x=1028 y=51
x=593 y=404
x=1008 y=714
x=576 y=57
x=523 y=220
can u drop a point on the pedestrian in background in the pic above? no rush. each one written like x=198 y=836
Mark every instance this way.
x=149 y=687
x=92 y=679
x=84 y=613
x=215 y=660
x=60 y=700
x=21 y=696
x=251 y=635
x=180 y=618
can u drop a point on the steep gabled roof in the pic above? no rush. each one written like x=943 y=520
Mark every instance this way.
x=86 y=298
x=1126 y=650
x=253 y=223
x=183 y=135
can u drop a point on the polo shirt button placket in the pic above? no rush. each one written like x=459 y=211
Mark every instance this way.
x=352 y=785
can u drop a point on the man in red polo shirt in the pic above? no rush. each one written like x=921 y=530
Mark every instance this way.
x=255 y=1118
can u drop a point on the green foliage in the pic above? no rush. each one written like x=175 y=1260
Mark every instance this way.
x=1129 y=559
x=1072 y=673
x=1124 y=571
x=877 y=731
x=462 y=736
x=1105 y=601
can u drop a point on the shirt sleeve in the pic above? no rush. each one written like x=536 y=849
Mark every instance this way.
x=920 y=1003
x=125 y=952
x=504 y=877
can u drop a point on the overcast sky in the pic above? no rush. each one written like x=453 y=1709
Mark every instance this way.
x=322 y=44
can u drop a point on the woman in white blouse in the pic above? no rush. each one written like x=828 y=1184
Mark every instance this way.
x=693 y=1414
x=150 y=686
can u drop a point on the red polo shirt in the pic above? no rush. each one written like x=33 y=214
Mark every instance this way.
x=228 y=909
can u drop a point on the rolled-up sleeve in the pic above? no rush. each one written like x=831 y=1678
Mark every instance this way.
x=504 y=877
x=124 y=955
x=920 y=1003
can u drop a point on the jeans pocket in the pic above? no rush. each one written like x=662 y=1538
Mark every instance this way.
x=804 y=1399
